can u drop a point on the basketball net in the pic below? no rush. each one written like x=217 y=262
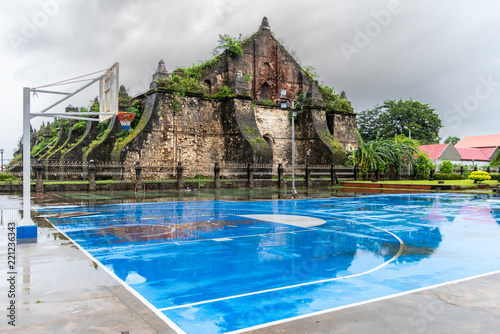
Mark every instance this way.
x=125 y=119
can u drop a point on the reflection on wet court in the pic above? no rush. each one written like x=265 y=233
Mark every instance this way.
x=219 y=266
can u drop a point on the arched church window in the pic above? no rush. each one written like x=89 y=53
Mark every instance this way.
x=209 y=86
x=264 y=92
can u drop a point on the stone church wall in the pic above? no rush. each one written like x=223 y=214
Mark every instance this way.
x=344 y=130
x=231 y=131
x=196 y=126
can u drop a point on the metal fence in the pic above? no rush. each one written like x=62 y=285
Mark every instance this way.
x=238 y=174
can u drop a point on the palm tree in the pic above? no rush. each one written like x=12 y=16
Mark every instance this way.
x=384 y=155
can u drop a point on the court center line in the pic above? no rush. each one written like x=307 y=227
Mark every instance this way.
x=401 y=248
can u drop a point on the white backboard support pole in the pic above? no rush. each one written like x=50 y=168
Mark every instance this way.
x=26 y=159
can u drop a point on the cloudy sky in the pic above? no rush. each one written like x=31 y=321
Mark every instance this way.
x=444 y=53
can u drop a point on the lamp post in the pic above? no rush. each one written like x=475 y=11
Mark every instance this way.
x=284 y=105
x=180 y=151
x=1 y=153
x=294 y=114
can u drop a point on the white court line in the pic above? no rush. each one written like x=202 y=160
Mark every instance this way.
x=222 y=239
x=169 y=232
x=162 y=316
x=278 y=322
x=401 y=247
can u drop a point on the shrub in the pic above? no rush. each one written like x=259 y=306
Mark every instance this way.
x=450 y=176
x=138 y=111
x=7 y=177
x=80 y=127
x=495 y=176
x=267 y=102
x=446 y=167
x=333 y=100
x=122 y=134
x=479 y=176
x=496 y=160
x=224 y=92
x=102 y=126
x=231 y=45
x=422 y=166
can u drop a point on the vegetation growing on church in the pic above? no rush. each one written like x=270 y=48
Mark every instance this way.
x=333 y=100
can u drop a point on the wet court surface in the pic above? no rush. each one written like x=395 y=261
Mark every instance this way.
x=218 y=266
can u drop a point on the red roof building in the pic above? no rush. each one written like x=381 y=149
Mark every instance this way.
x=480 y=141
x=440 y=152
x=488 y=145
x=472 y=154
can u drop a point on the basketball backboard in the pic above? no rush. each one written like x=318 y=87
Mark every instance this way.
x=108 y=93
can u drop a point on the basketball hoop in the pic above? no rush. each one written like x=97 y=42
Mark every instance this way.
x=125 y=119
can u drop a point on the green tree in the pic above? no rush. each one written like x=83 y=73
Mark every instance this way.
x=385 y=155
x=396 y=117
x=423 y=166
x=496 y=161
x=403 y=152
x=369 y=155
x=446 y=167
x=452 y=140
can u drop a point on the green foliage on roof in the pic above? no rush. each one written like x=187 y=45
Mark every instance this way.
x=333 y=100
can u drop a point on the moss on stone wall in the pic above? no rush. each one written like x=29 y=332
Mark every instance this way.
x=78 y=141
x=338 y=151
x=259 y=141
x=145 y=118
x=99 y=140
x=68 y=130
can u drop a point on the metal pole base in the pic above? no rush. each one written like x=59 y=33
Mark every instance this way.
x=27 y=234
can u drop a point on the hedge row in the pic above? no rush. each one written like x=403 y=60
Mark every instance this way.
x=446 y=176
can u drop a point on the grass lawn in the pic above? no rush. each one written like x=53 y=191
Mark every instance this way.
x=462 y=183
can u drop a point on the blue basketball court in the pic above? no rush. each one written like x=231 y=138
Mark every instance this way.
x=221 y=266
